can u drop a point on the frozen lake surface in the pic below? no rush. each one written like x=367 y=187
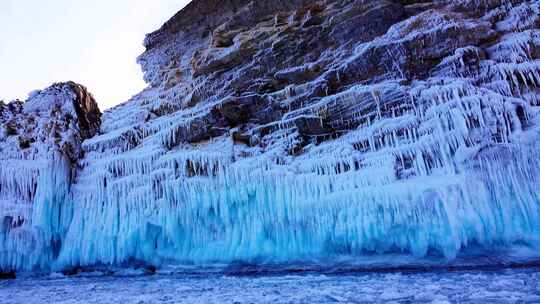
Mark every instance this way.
x=464 y=286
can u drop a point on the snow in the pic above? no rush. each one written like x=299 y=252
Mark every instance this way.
x=476 y=286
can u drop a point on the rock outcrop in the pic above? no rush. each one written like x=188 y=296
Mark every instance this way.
x=57 y=119
x=40 y=147
x=300 y=130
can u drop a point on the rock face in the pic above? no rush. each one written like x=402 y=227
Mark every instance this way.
x=56 y=119
x=299 y=130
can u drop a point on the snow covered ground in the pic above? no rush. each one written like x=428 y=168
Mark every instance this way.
x=473 y=286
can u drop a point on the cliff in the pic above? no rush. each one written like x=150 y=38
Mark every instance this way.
x=292 y=131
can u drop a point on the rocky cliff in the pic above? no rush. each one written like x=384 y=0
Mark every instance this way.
x=40 y=147
x=291 y=131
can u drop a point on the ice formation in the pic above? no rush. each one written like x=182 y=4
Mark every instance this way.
x=289 y=132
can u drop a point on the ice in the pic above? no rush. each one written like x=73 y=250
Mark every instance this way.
x=203 y=209
x=29 y=239
x=474 y=286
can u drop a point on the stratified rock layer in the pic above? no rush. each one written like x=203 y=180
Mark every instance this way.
x=300 y=130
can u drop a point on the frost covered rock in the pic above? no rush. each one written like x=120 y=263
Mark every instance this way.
x=56 y=119
x=298 y=130
x=40 y=145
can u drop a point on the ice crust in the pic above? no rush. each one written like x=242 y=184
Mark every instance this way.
x=509 y=286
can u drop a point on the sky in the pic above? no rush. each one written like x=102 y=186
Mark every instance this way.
x=92 y=42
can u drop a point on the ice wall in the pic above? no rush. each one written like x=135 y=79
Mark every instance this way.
x=269 y=216
x=305 y=132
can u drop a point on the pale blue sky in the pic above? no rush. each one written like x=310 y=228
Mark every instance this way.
x=93 y=42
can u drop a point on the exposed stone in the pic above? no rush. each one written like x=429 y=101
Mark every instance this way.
x=88 y=113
